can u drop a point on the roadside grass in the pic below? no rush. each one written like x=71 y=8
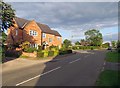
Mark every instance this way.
x=112 y=56
x=108 y=78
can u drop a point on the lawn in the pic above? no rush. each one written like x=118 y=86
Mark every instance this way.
x=108 y=78
x=113 y=57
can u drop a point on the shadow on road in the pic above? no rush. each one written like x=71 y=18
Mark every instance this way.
x=55 y=79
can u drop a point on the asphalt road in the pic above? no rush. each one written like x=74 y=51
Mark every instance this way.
x=80 y=69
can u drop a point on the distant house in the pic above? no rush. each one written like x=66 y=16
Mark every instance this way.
x=33 y=32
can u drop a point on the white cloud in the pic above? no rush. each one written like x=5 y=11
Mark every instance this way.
x=111 y=37
x=74 y=17
x=62 y=0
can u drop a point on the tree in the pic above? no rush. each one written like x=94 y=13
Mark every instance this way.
x=83 y=42
x=94 y=37
x=77 y=43
x=113 y=43
x=4 y=36
x=6 y=15
x=66 y=43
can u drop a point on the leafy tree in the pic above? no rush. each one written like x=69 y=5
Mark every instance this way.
x=94 y=37
x=6 y=15
x=66 y=43
x=113 y=43
x=4 y=36
x=83 y=42
x=77 y=43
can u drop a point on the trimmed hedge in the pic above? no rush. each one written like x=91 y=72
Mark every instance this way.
x=13 y=53
x=40 y=54
x=46 y=53
x=85 y=47
x=51 y=53
x=62 y=52
x=30 y=50
x=69 y=51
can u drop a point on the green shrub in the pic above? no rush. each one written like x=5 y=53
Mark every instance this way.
x=30 y=50
x=13 y=53
x=85 y=47
x=56 y=52
x=51 y=53
x=53 y=48
x=74 y=47
x=92 y=48
x=45 y=53
x=62 y=52
x=69 y=51
x=39 y=48
x=40 y=54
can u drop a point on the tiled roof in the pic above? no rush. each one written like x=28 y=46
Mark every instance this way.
x=21 y=22
x=45 y=28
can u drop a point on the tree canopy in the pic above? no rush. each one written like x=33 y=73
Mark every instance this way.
x=66 y=43
x=113 y=43
x=77 y=43
x=94 y=37
x=6 y=16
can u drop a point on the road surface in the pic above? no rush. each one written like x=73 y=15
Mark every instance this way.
x=80 y=69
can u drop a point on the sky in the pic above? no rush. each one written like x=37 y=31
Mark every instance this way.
x=72 y=19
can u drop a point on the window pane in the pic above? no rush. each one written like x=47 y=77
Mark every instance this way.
x=33 y=33
x=16 y=32
x=43 y=35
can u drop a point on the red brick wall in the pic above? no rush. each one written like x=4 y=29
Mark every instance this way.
x=54 y=38
x=25 y=36
x=32 y=39
x=11 y=35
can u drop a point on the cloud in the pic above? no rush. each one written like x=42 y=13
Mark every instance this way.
x=61 y=0
x=111 y=37
x=75 y=17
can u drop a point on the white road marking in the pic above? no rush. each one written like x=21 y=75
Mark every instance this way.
x=103 y=69
x=37 y=76
x=74 y=61
x=104 y=63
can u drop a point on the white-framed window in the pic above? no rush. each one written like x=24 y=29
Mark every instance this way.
x=34 y=45
x=58 y=38
x=50 y=39
x=33 y=33
x=16 y=32
x=43 y=35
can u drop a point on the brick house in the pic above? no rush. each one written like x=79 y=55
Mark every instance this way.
x=33 y=32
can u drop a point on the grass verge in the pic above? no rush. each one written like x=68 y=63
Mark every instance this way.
x=109 y=78
x=112 y=57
